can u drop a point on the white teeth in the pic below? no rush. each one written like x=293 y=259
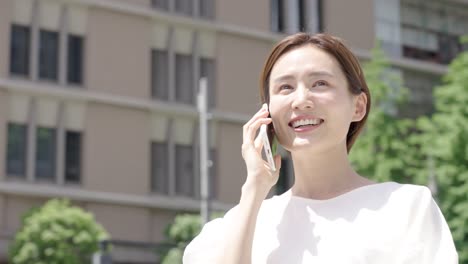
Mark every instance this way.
x=304 y=122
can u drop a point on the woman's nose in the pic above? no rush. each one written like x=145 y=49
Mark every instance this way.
x=302 y=98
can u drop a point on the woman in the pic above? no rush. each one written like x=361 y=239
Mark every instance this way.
x=315 y=92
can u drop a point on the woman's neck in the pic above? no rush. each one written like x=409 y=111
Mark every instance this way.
x=324 y=175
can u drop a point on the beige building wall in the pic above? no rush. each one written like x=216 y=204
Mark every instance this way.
x=116 y=150
x=160 y=219
x=5 y=18
x=118 y=53
x=232 y=170
x=139 y=3
x=240 y=62
x=14 y=209
x=352 y=21
x=123 y=222
x=4 y=238
x=244 y=13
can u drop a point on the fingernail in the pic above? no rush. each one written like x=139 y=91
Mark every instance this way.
x=264 y=106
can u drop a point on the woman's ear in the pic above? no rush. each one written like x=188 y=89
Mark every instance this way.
x=360 y=107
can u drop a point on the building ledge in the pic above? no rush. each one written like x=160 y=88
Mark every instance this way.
x=152 y=201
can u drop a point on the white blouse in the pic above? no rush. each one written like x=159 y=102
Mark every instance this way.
x=379 y=223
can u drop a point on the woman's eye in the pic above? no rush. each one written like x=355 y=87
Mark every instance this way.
x=285 y=87
x=320 y=83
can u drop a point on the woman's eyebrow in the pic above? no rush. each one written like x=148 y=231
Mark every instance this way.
x=310 y=74
x=320 y=73
x=283 y=78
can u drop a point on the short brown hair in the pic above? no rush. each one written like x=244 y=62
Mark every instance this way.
x=335 y=47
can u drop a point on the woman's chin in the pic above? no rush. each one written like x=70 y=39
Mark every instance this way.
x=302 y=144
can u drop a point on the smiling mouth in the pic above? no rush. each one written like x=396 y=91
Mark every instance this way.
x=303 y=123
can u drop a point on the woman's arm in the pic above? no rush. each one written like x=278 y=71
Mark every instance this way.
x=240 y=228
x=237 y=229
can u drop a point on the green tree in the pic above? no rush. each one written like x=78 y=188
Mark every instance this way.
x=382 y=151
x=447 y=142
x=56 y=233
x=184 y=228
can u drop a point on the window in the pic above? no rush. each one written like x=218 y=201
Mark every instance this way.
x=159 y=74
x=207 y=9
x=159 y=168
x=48 y=55
x=75 y=59
x=429 y=31
x=277 y=16
x=184 y=7
x=160 y=4
x=302 y=16
x=420 y=98
x=207 y=69
x=19 y=50
x=184 y=79
x=450 y=47
x=294 y=16
x=16 y=150
x=45 y=153
x=72 y=156
x=184 y=170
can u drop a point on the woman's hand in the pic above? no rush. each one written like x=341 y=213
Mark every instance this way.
x=260 y=176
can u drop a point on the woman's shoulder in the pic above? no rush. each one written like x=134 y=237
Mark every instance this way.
x=407 y=191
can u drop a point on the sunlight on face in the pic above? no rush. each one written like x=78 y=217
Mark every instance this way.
x=310 y=103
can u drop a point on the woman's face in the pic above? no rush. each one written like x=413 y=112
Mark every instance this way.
x=310 y=103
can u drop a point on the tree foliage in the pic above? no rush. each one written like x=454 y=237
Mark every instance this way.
x=447 y=142
x=183 y=230
x=56 y=233
x=404 y=150
x=381 y=152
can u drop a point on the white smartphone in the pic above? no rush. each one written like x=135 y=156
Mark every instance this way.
x=267 y=147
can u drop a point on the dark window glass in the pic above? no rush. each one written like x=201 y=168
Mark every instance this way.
x=276 y=16
x=159 y=74
x=16 y=150
x=184 y=170
x=302 y=16
x=207 y=9
x=207 y=69
x=184 y=7
x=320 y=13
x=19 y=50
x=73 y=143
x=48 y=55
x=45 y=154
x=159 y=168
x=184 y=79
x=75 y=59
x=160 y=4
x=449 y=47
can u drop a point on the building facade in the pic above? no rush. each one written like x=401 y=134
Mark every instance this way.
x=98 y=97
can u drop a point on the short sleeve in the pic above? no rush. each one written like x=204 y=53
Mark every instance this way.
x=208 y=244
x=430 y=240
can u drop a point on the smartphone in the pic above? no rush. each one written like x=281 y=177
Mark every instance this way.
x=272 y=138
x=267 y=147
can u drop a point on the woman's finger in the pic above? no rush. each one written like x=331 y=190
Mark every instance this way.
x=263 y=112
x=258 y=143
x=253 y=128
